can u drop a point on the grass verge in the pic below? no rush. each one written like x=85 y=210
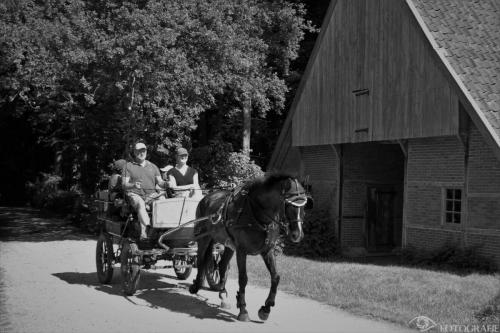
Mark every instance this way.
x=396 y=294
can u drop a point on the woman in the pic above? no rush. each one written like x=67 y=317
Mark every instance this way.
x=182 y=178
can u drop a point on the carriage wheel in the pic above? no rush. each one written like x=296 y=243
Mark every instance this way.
x=182 y=272
x=104 y=258
x=212 y=272
x=130 y=268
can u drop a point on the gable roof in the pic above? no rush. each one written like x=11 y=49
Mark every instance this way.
x=465 y=35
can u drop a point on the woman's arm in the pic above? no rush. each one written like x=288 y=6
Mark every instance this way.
x=196 y=183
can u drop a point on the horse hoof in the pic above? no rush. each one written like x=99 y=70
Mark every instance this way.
x=263 y=314
x=225 y=305
x=243 y=317
x=193 y=289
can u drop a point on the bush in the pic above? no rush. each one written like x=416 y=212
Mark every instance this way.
x=219 y=166
x=45 y=194
x=319 y=237
x=449 y=257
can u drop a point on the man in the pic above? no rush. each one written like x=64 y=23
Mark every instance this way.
x=139 y=179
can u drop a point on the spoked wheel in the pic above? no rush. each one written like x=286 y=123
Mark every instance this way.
x=130 y=267
x=184 y=270
x=104 y=258
x=212 y=272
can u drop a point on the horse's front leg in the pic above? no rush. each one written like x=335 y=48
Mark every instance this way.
x=201 y=262
x=275 y=280
x=241 y=259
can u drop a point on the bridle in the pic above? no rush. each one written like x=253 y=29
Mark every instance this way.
x=297 y=199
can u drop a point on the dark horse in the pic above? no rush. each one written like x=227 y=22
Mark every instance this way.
x=248 y=220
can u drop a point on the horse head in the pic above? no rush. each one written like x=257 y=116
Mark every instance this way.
x=295 y=201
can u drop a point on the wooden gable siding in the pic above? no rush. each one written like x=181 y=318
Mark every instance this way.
x=375 y=45
x=288 y=159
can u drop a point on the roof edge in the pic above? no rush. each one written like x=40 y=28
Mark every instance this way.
x=467 y=99
x=310 y=63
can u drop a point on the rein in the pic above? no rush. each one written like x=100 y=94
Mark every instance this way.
x=296 y=199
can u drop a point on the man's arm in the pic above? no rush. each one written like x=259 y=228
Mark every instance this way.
x=163 y=184
x=127 y=186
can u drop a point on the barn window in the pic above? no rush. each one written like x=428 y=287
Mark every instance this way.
x=453 y=205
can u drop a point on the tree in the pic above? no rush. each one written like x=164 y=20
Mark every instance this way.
x=93 y=76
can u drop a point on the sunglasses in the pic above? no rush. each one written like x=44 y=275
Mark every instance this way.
x=183 y=155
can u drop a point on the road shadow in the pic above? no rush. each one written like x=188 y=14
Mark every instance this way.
x=27 y=224
x=157 y=293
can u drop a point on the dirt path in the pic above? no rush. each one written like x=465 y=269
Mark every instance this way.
x=48 y=284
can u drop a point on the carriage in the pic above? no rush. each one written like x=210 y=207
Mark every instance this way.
x=171 y=243
x=248 y=220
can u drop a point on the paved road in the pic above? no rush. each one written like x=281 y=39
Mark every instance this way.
x=48 y=284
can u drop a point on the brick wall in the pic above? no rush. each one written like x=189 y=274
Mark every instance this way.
x=432 y=239
x=353 y=232
x=433 y=165
x=320 y=163
x=436 y=163
x=487 y=245
x=423 y=204
x=439 y=159
x=483 y=185
x=484 y=167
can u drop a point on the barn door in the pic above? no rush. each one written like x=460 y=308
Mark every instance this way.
x=380 y=218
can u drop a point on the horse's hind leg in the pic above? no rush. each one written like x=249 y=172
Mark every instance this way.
x=241 y=258
x=275 y=280
x=223 y=270
x=203 y=245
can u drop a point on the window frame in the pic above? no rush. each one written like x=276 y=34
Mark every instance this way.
x=445 y=211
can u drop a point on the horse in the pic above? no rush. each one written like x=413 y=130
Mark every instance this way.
x=249 y=221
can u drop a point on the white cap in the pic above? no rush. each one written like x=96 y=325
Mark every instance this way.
x=139 y=145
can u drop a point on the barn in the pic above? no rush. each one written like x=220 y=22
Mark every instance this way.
x=396 y=124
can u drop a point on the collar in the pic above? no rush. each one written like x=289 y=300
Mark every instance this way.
x=143 y=164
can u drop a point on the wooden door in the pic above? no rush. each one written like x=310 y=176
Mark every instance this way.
x=380 y=218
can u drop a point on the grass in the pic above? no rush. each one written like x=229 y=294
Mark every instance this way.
x=392 y=293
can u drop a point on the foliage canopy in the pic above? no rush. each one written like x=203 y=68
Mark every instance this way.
x=92 y=76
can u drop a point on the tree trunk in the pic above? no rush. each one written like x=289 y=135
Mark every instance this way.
x=58 y=157
x=129 y=137
x=247 y=126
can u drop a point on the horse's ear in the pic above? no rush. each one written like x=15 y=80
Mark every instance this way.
x=306 y=184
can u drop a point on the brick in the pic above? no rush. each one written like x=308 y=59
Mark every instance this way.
x=440 y=159
x=484 y=213
x=423 y=205
x=432 y=239
x=484 y=167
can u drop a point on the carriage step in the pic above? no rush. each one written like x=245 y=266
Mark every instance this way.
x=150 y=252
x=155 y=267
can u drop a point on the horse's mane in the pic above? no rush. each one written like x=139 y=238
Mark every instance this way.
x=267 y=181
